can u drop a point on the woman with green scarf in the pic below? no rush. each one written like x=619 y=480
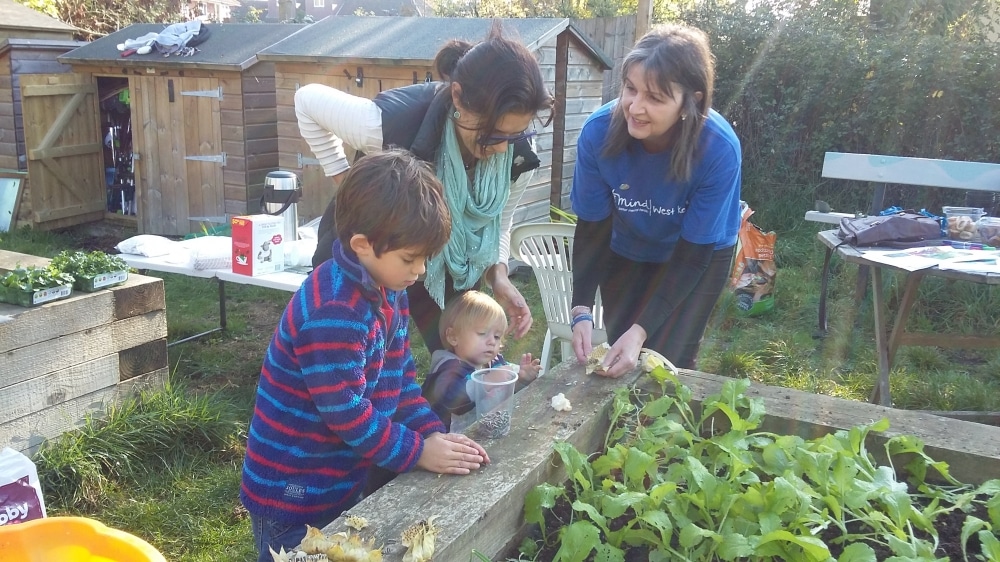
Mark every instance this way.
x=474 y=127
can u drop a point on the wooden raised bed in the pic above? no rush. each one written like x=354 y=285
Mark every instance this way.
x=67 y=359
x=484 y=511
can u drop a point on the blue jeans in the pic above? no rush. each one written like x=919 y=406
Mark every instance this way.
x=277 y=535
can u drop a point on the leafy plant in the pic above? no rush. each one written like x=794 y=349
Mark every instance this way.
x=33 y=278
x=706 y=485
x=562 y=216
x=83 y=264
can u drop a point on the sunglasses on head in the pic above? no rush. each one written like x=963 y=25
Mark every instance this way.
x=490 y=140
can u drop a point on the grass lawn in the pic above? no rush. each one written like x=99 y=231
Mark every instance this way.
x=166 y=468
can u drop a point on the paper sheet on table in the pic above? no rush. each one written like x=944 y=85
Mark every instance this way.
x=924 y=257
x=980 y=262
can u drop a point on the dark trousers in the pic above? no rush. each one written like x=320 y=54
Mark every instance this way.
x=426 y=314
x=628 y=290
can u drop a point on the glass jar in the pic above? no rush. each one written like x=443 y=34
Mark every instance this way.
x=961 y=222
x=988 y=229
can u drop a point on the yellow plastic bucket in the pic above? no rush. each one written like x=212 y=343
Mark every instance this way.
x=72 y=539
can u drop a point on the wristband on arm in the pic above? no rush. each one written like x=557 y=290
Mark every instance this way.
x=585 y=317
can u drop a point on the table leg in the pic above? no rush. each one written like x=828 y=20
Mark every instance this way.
x=222 y=317
x=903 y=314
x=861 y=284
x=222 y=304
x=880 y=394
x=824 y=283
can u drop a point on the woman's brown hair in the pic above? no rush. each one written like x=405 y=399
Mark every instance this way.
x=499 y=76
x=671 y=54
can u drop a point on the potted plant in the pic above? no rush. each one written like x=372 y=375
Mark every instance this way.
x=93 y=271
x=33 y=285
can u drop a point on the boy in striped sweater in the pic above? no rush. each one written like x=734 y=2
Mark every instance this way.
x=337 y=396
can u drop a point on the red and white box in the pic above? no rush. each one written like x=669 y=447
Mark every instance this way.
x=258 y=244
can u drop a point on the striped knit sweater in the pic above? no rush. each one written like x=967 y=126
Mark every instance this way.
x=337 y=395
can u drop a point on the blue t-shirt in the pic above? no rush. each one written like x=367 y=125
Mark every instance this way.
x=650 y=212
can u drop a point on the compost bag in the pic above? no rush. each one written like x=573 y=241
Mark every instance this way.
x=754 y=269
x=20 y=492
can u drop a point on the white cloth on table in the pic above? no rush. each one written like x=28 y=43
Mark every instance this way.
x=203 y=252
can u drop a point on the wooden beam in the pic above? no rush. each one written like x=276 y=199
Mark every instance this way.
x=60 y=151
x=58 y=89
x=57 y=387
x=67 y=113
x=28 y=432
x=559 y=120
x=63 y=352
x=70 y=211
x=643 y=18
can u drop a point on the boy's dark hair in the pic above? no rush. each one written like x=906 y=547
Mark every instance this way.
x=499 y=76
x=396 y=201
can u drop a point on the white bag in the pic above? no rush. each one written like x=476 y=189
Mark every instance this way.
x=20 y=492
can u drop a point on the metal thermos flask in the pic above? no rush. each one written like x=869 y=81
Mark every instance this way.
x=281 y=196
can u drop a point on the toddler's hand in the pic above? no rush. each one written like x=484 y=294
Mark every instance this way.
x=529 y=369
x=451 y=453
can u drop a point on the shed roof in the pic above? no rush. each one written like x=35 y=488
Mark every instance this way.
x=376 y=40
x=61 y=45
x=17 y=16
x=230 y=46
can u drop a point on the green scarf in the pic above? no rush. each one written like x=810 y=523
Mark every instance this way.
x=475 y=216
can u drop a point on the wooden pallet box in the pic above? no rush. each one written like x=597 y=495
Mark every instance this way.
x=69 y=359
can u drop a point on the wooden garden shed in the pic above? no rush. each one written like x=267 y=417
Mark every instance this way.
x=365 y=55
x=29 y=44
x=198 y=140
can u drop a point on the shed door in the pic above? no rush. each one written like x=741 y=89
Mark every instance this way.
x=178 y=134
x=62 y=136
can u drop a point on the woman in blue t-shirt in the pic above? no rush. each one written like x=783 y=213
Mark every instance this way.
x=657 y=193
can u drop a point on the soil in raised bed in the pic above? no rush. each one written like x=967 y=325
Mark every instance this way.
x=948 y=525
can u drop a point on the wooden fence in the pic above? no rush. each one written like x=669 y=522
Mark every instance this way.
x=615 y=36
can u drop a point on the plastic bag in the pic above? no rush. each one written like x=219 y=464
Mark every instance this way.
x=754 y=269
x=20 y=492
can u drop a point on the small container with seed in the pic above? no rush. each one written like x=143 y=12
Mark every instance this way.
x=493 y=391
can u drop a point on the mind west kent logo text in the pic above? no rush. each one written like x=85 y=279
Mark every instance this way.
x=629 y=205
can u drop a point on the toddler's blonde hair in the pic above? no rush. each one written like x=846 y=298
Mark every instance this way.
x=469 y=310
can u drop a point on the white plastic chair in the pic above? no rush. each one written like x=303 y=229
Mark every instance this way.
x=548 y=249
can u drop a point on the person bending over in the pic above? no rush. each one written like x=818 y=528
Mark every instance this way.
x=337 y=397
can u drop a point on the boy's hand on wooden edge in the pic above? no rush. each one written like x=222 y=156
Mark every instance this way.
x=451 y=453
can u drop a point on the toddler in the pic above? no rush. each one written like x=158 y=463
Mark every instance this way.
x=472 y=329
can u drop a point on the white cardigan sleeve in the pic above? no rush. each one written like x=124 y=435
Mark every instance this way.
x=507 y=217
x=328 y=118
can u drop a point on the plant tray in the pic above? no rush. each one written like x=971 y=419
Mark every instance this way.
x=34 y=298
x=100 y=281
